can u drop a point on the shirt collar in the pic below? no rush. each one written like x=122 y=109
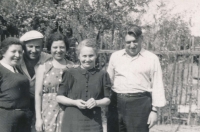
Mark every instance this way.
x=140 y=53
x=68 y=65
x=9 y=67
x=84 y=71
x=41 y=58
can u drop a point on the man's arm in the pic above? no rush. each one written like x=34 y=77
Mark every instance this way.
x=158 y=94
x=110 y=69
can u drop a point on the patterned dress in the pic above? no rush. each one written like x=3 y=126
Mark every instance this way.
x=51 y=111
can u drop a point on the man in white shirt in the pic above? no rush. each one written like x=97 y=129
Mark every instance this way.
x=32 y=58
x=137 y=88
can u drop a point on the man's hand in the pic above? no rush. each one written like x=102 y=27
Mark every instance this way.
x=152 y=119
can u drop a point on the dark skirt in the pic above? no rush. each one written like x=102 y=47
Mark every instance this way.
x=78 y=120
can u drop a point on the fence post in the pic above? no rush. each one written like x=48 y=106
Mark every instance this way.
x=191 y=85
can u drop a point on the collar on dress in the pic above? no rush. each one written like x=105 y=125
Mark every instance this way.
x=9 y=67
x=84 y=71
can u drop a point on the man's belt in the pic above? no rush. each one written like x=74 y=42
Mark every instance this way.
x=14 y=109
x=141 y=94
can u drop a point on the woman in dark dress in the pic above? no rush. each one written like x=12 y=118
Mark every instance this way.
x=14 y=89
x=83 y=91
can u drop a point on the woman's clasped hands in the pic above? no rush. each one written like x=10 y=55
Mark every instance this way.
x=89 y=104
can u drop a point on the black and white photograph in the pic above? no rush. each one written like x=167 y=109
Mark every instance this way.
x=99 y=65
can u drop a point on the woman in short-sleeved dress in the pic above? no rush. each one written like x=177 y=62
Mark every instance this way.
x=48 y=77
x=86 y=84
x=83 y=90
x=51 y=111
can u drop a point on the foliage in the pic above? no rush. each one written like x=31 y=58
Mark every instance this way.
x=106 y=20
x=168 y=35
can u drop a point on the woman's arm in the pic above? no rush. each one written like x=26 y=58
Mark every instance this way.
x=103 y=102
x=70 y=102
x=66 y=84
x=105 y=93
x=91 y=103
x=38 y=97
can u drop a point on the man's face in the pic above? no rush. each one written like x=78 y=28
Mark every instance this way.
x=33 y=48
x=133 y=45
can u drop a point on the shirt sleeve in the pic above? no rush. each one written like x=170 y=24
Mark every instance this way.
x=66 y=83
x=158 y=92
x=110 y=69
x=106 y=85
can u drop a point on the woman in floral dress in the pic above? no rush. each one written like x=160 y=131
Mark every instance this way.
x=48 y=77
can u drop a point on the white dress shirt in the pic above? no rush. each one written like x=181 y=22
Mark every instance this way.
x=137 y=74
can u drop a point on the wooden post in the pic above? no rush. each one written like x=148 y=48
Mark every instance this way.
x=182 y=80
x=198 y=89
x=100 y=55
x=173 y=80
x=177 y=82
x=191 y=85
x=187 y=85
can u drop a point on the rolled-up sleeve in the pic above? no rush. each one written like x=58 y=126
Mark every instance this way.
x=158 y=92
x=106 y=85
x=66 y=83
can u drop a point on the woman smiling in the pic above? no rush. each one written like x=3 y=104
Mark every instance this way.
x=83 y=91
x=14 y=89
x=48 y=78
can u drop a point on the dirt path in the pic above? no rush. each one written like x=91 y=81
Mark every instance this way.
x=175 y=128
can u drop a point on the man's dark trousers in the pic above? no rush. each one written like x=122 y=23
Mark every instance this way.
x=129 y=113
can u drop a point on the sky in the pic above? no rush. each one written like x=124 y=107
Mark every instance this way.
x=189 y=10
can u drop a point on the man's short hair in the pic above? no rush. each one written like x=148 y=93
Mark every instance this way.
x=134 y=30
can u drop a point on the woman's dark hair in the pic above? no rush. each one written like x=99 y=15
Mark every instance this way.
x=56 y=37
x=6 y=43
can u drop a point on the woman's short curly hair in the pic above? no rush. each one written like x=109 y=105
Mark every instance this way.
x=88 y=43
x=6 y=43
x=56 y=37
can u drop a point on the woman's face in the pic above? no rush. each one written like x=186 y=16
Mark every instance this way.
x=13 y=55
x=58 y=50
x=87 y=57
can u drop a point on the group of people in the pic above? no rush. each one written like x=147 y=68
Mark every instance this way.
x=48 y=93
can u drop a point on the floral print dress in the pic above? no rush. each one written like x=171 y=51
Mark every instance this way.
x=52 y=113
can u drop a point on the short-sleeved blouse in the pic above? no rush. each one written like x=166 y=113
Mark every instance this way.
x=82 y=84
x=78 y=83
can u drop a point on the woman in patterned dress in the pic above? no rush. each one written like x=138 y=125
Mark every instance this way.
x=83 y=91
x=48 y=78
